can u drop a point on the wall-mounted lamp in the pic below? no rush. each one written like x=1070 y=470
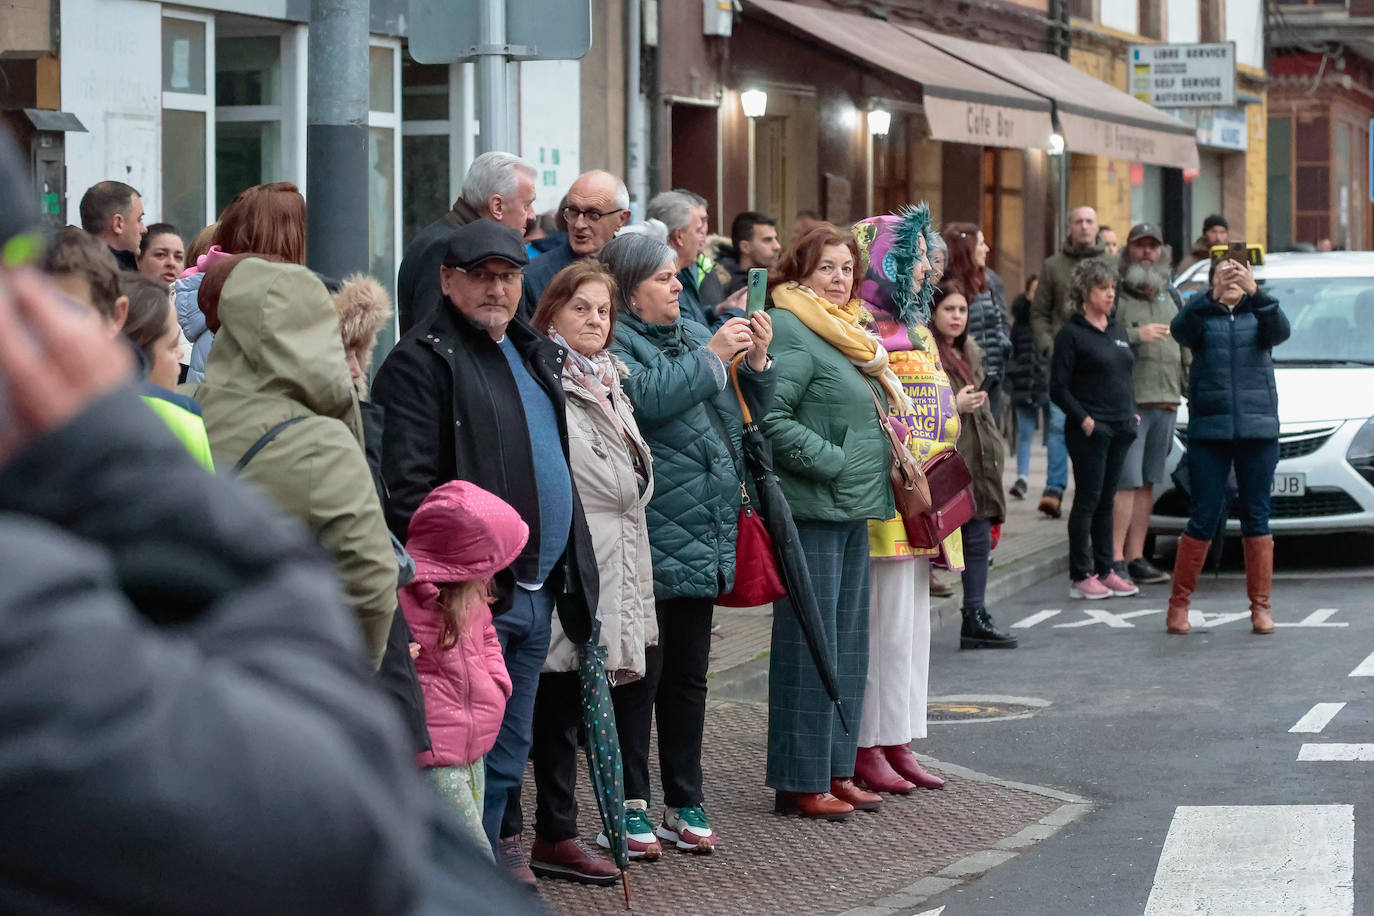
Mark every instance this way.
x=754 y=102
x=1056 y=147
x=879 y=120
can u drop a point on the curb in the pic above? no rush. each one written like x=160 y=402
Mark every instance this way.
x=748 y=683
x=909 y=899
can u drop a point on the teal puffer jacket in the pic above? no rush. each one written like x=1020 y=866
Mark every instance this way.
x=673 y=381
x=831 y=454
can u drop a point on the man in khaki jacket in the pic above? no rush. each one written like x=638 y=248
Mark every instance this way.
x=1145 y=304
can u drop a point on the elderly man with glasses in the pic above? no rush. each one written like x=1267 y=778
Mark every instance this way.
x=595 y=208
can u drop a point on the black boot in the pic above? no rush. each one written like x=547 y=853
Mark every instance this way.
x=979 y=632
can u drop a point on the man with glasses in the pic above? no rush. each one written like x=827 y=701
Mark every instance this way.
x=474 y=393
x=595 y=208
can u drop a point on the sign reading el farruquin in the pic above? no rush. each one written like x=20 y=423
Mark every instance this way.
x=1185 y=76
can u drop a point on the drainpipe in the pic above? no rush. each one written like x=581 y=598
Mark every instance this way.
x=336 y=137
x=650 y=77
x=636 y=136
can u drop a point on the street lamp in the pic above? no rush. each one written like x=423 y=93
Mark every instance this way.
x=1056 y=147
x=879 y=120
x=754 y=102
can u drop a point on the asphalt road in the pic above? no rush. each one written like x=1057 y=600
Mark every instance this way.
x=1190 y=733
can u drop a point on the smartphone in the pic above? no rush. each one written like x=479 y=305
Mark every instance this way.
x=988 y=382
x=758 y=290
x=1240 y=252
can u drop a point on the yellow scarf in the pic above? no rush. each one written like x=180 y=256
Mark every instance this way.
x=841 y=326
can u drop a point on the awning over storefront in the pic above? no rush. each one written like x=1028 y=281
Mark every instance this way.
x=962 y=103
x=1095 y=117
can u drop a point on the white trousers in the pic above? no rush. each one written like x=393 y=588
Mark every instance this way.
x=898 y=652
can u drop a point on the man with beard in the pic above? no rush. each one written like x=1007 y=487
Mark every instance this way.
x=1145 y=304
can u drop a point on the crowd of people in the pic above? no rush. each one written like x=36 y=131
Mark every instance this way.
x=549 y=462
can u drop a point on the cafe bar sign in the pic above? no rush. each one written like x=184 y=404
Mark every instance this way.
x=955 y=120
x=1185 y=76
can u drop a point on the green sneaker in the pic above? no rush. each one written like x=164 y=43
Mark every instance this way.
x=640 y=841
x=688 y=829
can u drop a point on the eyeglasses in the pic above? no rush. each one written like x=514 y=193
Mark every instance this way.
x=593 y=215
x=484 y=277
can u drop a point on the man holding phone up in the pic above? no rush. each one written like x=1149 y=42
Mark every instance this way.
x=1145 y=304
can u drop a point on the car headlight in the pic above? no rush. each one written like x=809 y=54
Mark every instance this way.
x=1360 y=455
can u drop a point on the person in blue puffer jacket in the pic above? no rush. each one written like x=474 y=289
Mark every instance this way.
x=1233 y=421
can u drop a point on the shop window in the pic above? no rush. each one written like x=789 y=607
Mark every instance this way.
x=428 y=188
x=188 y=129
x=1083 y=9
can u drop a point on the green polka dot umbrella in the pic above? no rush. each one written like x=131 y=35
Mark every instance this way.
x=603 y=749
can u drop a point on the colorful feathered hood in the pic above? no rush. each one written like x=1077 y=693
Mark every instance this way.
x=891 y=248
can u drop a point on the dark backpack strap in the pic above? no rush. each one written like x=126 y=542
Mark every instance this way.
x=262 y=443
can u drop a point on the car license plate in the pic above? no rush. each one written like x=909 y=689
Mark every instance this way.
x=1288 y=484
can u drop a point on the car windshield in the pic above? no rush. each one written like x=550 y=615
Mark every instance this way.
x=1332 y=319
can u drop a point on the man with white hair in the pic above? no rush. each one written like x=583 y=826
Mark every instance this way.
x=596 y=207
x=498 y=186
x=684 y=213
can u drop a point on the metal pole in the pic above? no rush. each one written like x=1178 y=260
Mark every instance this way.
x=636 y=132
x=493 y=100
x=336 y=137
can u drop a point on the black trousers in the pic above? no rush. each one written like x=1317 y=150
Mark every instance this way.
x=674 y=685
x=1097 y=462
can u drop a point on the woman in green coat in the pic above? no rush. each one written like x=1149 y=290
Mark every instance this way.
x=676 y=382
x=832 y=453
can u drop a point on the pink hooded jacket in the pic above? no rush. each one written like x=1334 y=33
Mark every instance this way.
x=460 y=533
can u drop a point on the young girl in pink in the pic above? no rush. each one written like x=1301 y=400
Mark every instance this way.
x=459 y=538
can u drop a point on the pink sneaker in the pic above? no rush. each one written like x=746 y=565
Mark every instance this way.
x=1090 y=587
x=1119 y=587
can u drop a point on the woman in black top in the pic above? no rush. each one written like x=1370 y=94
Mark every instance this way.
x=1091 y=381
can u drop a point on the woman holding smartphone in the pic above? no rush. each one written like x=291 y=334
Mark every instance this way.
x=1233 y=422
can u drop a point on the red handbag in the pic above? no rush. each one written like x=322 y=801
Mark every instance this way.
x=756 y=570
x=951 y=501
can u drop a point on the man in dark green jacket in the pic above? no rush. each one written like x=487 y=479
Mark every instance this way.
x=1049 y=310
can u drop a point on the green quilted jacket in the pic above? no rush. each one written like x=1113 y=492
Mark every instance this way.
x=831 y=454
x=693 y=516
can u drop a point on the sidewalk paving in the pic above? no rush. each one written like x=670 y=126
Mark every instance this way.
x=881 y=864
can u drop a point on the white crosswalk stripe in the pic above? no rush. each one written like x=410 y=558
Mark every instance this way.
x=1317 y=718
x=1257 y=860
x=1335 y=752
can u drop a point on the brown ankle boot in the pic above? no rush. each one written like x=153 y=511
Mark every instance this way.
x=1259 y=581
x=1192 y=553
x=846 y=791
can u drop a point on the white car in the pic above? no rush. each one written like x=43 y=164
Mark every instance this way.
x=1324 y=481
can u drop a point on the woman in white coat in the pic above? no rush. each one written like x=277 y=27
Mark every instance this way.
x=612 y=468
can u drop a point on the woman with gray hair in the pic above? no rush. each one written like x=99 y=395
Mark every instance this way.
x=677 y=383
x=1091 y=381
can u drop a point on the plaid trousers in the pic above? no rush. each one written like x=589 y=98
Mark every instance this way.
x=807 y=747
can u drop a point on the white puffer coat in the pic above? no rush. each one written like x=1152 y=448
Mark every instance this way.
x=603 y=468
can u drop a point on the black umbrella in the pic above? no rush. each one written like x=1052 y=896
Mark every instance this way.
x=776 y=513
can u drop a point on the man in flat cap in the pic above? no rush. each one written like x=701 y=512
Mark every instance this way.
x=1145 y=304
x=473 y=393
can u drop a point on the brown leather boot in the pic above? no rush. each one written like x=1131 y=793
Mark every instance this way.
x=873 y=772
x=1259 y=581
x=821 y=806
x=846 y=791
x=1192 y=553
x=572 y=860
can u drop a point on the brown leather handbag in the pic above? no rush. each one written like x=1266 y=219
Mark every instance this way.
x=910 y=489
x=951 y=498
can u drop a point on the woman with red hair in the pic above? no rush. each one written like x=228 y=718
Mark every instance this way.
x=266 y=219
x=989 y=322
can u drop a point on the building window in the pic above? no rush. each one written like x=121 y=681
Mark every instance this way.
x=1151 y=18
x=1212 y=24
x=188 y=128
x=384 y=169
x=1083 y=9
x=249 y=112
